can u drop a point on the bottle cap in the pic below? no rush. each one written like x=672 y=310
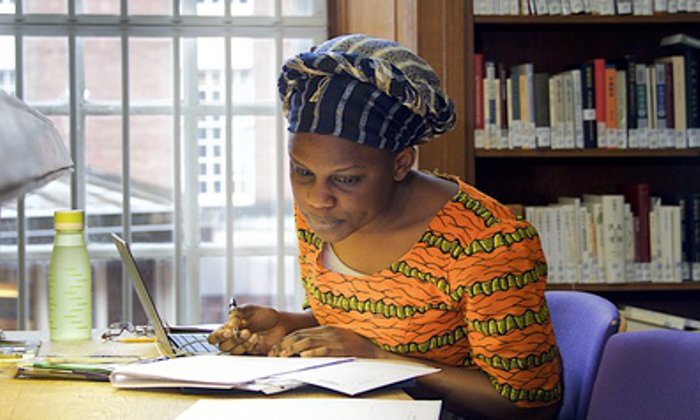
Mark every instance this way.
x=69 y=220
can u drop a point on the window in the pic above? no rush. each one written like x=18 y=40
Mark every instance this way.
x=172 y=119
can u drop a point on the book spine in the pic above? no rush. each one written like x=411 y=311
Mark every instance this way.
x=515 y=131
x=589 y=106
x=478 y=91
x=660 y=78
x=610 y=104
x=668 y=94
x=693 y=232
x=692 y=87
x=641 y=88
x=621 y=85
x=578 y=109
x=600 y=109
x=638 y=196
x=503 y=95
x=631 y=92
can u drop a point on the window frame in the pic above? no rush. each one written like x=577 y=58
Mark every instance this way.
x=181 y=27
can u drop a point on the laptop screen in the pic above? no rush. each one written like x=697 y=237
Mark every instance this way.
x=143 y=294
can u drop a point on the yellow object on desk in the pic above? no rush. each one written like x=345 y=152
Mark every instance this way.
x=136 y=340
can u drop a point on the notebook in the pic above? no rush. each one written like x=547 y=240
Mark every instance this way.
x=172 y=341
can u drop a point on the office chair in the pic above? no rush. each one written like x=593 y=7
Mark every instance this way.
x=582 y=323
x=648 y=375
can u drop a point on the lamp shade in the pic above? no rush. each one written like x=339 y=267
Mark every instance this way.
x=31 y=150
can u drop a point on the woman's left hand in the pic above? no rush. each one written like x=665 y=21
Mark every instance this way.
x=324 y=341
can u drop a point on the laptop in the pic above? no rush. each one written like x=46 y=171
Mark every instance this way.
x=172 y=341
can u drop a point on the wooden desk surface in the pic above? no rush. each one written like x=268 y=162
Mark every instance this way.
x=38 y=399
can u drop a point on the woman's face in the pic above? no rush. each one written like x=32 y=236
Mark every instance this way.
x=340 y=187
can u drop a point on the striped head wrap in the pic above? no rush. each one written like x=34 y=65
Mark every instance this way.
x=368 y=90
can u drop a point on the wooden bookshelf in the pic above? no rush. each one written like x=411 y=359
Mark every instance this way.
x=680 y=299
x=627 y=287
x=447 y=34
x=538 y=177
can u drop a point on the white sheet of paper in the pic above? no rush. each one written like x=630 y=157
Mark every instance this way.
x=312 y=409
x=359 y=376
x=213 y=371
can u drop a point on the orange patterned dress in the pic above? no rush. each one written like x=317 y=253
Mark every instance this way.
x=470 y=292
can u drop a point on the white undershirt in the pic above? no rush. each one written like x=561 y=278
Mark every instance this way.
x=332 y=262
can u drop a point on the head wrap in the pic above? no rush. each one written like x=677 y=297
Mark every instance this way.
x=368 y=90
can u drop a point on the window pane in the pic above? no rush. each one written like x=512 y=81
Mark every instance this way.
x=151 y=71
x=103 y=137
x=41 y=86
x=45 y=6
x=103 y=70
x=7 y=6
x=152 y=178
x=7 y=64
x=210 y=7
x=150 y=7
x=210 y=70
x=298 y=7
x=100 y=7
x=252 y=7
x=254 y=72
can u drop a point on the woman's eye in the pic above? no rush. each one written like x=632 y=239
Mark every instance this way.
x=302 y=172
x=347 y=180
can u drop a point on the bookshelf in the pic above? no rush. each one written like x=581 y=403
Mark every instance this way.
x=538 y=177
x=553 y=44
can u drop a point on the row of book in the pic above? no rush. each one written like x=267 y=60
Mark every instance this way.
x=575 y=7
x=627 y=237
x=601 y=103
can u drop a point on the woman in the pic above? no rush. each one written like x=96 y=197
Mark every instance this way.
x=396 y=263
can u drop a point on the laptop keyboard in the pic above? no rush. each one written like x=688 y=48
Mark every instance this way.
x=192 y=343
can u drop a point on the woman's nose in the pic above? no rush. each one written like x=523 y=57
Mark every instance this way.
x=319 y=195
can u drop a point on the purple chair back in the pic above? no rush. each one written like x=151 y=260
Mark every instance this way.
x=582 y=323
x=648 y=375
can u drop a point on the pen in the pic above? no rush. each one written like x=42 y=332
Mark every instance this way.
x=232 y=305
x=137 y=339
x=93 y=359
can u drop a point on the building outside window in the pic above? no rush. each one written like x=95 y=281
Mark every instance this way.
x=172 y=119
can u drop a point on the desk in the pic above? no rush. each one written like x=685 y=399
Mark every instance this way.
x=38 y=399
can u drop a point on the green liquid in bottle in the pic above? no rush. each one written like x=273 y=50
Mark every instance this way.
x=70 y=288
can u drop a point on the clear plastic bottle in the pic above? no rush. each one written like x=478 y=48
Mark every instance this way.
x=70 y=279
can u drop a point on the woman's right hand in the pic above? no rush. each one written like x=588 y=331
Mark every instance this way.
x=250 y=329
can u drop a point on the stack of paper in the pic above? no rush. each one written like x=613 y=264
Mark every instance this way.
x=267 y=374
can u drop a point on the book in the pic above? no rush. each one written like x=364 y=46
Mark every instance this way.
x=638 y=196
x=478 y=91
x=612 y=231
x=630 y=63
x=542 y=110
x=682 y=40
x=641 y=77
x=600 y=100
x=621 y=86
x=569 y=119
x=577 y=108
x=590 y=131
x=677 y=64
x=610 y=99
x=689 y=47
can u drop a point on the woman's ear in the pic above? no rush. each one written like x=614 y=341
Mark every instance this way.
x=403 y=163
